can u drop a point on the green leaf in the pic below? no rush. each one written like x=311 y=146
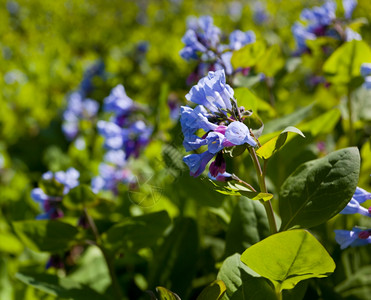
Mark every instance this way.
x=248 y=226
x=319 y=189
x=274 y=144
x=324 y=123
x=80 y=197
x=288 y=257
x=165 y=294
x=59 y=287
x=271 y=62
x=248 y=55
x=10 y=244
x=235 y=189
x=214 y=291
x=242 y=283
x=45 y=235
x=345 y=63
x=174 y=264
x=136 y=232
x=250 y=101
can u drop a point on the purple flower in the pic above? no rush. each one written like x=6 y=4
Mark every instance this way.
x=221 y=176
x=355 y=237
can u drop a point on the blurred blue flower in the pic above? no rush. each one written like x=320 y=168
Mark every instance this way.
x=366 y=73
x=118 y=102
x=349 y=6
x=355 y=237
x=260 y=14
x=112 y=134
x=197 y=162
x=51 y=203
x=78 y=109
x=238 y=39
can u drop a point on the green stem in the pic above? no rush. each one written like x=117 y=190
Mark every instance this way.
x=115 y=284
x=350 y=116
x=279 y=293
x=263 y=188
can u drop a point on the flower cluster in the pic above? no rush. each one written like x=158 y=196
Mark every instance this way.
x=121 y=132
x=322 y=21
x=203 y=43
x=357 y=236
x=124 y=137
x=53 y=187
x=366 y=74
x=80 y=108
x=112 y=172
x=220 y=121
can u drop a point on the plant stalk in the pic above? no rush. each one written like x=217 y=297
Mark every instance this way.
x=263 y=188
x=115 y=284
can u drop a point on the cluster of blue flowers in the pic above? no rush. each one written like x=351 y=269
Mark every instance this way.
x=203 y=43
x=366 y=73
x=322 y=21
x=357 y=236
x=54 y=187
x=220 y=121
x=79 y=107
x=124 y=137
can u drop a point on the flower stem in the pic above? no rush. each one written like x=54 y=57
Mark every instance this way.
x=263 y=188
x=107 y=258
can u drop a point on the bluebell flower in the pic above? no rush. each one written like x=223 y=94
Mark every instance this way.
x=366 y=73
x=86 y=85
x=354 y=206
x=260 y=14
x=60 y=184
x=221 y=176
x=320 y=15
x=78 y=109
x=197 y=162
x=238 y=39
x=355 y=237
x=351 y=35
x=110 y=176
x=349 y=6
x=118 y=102
x=220 y=121
x=135 y=138
x=112 y=134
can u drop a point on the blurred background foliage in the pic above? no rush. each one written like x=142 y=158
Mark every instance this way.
x=45 y=49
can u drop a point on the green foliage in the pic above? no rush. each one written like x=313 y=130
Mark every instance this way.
x=248 y=226
x=214 y=291
x=319 y=189
x=297 y=255
x=59 y=287
x=249 y=55
x=45 y=235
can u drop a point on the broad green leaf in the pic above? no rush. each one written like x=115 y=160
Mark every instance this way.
x=92 y=270
x=174 y=265
x=59 y=287
x=248 y=55
x=248 y=226
x=250 y=101
x=288 y=257
x=136 y=232
x=289 y=120
x=345 y=63
x=45 y=235
x=214 y=291
x=274 y=144
x=165 y=294
x=324 y=123
x=242 y=283
x=271 y=62
x=10 y=244
x=236 y=189
x=319 y=189
x=80 y=197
